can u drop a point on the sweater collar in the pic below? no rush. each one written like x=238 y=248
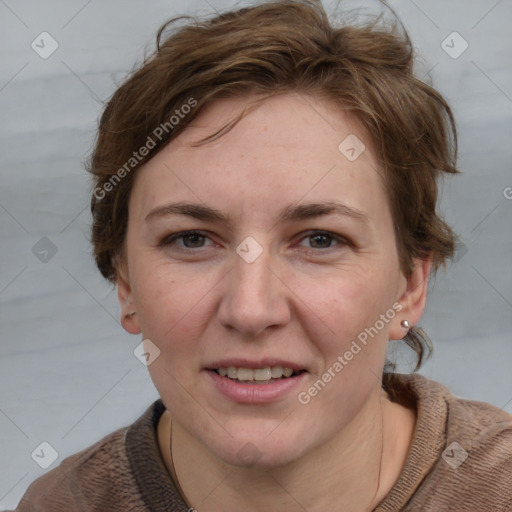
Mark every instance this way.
x=156 y=487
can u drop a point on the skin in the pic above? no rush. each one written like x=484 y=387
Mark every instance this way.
x=305 y=298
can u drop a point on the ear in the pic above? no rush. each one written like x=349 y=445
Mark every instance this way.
x=129 y=318
x=412 y=298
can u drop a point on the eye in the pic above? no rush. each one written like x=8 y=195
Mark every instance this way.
x=322 y=240
x=186 y=240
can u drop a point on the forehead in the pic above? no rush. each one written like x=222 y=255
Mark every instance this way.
x=284 y=149
x=291 y=120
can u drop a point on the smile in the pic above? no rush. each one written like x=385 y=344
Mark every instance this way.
x=265 y=375
x=261 y=384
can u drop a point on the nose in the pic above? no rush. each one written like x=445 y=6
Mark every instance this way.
x=255 y=297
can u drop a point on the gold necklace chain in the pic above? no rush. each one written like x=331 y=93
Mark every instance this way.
x=174 y=474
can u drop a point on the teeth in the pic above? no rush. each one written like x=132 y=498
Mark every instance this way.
x=261 y=373
x=265 y=374
x=287 y=372
x=245 y=374
x=276 y=372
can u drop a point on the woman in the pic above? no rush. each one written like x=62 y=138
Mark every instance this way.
x=264 y=199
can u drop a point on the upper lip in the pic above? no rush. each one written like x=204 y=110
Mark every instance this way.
x=253 y=364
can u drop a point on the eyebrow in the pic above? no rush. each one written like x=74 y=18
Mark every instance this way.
x=312 y=210
x=197 y=211
x=290 y=213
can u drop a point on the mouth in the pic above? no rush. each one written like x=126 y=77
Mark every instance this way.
x=253 y=383
x=265 y=375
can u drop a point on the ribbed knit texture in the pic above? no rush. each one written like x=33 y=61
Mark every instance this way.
x=125 y=472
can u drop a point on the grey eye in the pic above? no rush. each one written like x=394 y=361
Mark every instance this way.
x=320 y=241
x=193 y=240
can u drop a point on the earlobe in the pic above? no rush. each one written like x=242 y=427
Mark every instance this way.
x=412 y=300
x=129 y=318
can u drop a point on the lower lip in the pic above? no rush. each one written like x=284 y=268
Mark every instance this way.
x=255 y=393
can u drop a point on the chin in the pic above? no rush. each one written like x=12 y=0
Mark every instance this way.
x=261 y=451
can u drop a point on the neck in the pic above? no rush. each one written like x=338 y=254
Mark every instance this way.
x=353 y=471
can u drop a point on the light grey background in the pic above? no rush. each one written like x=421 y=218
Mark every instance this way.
x=67 y=372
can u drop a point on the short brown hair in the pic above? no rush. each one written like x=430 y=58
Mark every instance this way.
x=273 y=48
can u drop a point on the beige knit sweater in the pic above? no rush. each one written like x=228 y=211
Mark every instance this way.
x=460 y=461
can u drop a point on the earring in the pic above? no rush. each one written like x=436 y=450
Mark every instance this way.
x=405 y=324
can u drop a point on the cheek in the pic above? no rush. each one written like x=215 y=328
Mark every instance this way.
x=172 y=309
x=340 y=320
x=165 y=295
x=344 y=322
x=346 y=302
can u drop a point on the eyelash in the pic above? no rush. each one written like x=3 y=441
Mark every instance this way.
x=169 y=240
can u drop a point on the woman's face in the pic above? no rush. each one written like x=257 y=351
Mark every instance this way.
x=291 y=263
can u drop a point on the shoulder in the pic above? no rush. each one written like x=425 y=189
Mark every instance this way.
x=474 y=469
x=479 y=442
x=469 y=420
x=460 y=457
x=97 y=478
